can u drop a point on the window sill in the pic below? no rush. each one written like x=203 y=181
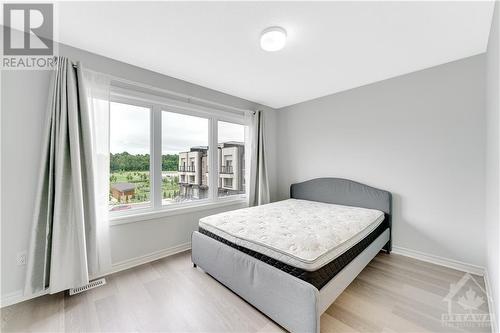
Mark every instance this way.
x=150 y=214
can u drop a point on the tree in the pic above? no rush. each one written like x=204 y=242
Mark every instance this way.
x=169 y=162
x=127 y=162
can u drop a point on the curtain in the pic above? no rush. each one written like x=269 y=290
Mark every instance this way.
x=64 y=246
x=258 y=186
x=98 y=96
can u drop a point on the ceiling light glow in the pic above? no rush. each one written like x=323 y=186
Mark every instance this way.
x=273 y=39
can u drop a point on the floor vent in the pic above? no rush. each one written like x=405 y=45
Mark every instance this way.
x=91 y=285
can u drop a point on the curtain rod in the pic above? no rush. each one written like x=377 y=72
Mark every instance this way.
x=188 y=97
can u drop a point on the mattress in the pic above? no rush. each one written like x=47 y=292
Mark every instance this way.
x=303 y=235
x=320 y=277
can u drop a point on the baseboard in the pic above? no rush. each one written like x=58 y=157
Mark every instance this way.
x=18 y=296
x=491 y=302
x=433 y=259
x=144 y=259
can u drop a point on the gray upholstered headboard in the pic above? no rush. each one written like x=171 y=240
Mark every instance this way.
x=345 y=192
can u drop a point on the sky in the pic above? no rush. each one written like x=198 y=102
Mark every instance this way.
x=129 y=131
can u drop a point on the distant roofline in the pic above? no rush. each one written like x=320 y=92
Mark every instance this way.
x=231 y=143
x=123 y=186
x=220 y=145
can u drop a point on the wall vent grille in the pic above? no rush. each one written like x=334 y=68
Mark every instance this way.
x=91 y=285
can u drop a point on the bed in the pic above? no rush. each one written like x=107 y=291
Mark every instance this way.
x=291 y=259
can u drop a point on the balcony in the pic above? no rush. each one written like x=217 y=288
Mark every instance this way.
x=226 y=169
x=186 y=169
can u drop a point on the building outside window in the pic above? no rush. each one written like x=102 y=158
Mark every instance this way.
x=231 y=153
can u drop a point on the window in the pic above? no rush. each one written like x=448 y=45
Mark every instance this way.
x=228 y=183
x=231 y=153
x=185 y=157
x=166 y=154
x=129 y=136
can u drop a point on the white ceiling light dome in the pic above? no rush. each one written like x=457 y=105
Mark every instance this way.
x=273 y=39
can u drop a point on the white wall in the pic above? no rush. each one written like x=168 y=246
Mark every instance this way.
x=492 y=158
x=420 y=136
x=23 y=106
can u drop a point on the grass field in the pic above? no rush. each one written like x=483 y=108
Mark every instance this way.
x=170 y=185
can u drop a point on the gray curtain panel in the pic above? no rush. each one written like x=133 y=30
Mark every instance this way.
x=259 y=189
x=62 y=234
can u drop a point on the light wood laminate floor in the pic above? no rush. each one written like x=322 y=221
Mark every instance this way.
x=392 y=294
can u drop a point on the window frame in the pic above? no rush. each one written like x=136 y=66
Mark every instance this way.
x=157 y=104
x=142 y=104
x=218 y=167
x=174 y=110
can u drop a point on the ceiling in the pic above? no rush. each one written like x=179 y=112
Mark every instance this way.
x=332 y=46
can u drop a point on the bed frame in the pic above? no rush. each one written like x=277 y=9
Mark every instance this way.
x=291 y=302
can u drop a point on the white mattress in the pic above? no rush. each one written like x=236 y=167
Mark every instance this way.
x=304 y=234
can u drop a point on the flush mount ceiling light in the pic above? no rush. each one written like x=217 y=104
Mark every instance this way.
x=273 y=39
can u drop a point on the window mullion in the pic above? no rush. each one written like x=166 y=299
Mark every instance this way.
x=156 y=158
x=213 y=161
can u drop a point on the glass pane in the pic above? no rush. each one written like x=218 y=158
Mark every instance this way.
x=129 y=144
x=184 y=158
x=231 y=158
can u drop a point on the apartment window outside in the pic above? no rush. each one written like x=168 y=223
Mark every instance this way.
x=227 y=166
x=184 y=150
x=231 y=158
x=228 y=183
x=130 y=152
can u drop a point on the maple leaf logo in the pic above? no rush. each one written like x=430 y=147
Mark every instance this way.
x=470 y=301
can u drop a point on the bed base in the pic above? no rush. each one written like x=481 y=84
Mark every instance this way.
x=292 y=303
